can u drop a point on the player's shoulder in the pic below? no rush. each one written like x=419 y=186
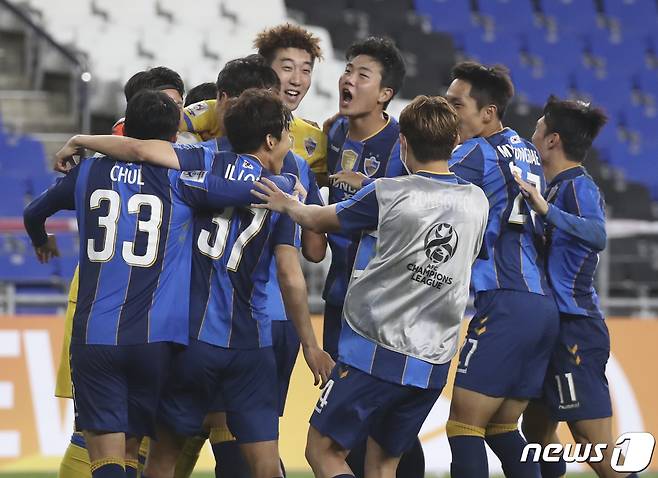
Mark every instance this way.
x=473 y=147
x=307 y=124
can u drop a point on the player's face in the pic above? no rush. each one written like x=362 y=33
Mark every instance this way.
x=294 y=68
x=178 y=99
x=471 y=122
x=539 y=138
x=360 y=89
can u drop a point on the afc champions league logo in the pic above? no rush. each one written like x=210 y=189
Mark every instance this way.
x=441 y=243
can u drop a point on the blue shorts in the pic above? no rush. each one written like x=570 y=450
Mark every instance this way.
x=354 y=405
x=575 y=387
x=285 y=343
x=117 y=388
x=244 y=380
x=508 y=344
x=333 y=319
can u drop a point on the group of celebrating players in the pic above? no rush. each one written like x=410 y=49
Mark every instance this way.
x=189 y=307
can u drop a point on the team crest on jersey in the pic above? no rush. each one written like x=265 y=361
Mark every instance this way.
x=371 y=165
x=194 y=176
x=441 y=243
x=348 y=160
x=197 y=109
x=309 y=145
x=516 y=139
x=247 y=165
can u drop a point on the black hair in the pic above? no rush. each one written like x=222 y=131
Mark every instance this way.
x=243 y=73
x=158 y=78
x=254 y=115
x=204 y=91
x=489 y=85
x=576 y=122
x=384 y=51
x=151 y=114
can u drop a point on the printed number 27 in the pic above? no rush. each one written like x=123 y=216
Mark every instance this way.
x=518 y=215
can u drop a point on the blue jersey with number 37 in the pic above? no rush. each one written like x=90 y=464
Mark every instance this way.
x=514 y=255
x=233 y=249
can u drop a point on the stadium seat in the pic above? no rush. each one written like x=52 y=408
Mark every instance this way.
x=513 y=16
x=13 y=197
x=617 y=52
x=491 y=49
x=535 y=86
x=18 y=262
x=446 y=15
x=576 y=16
x=633 y=15
x=559 y=52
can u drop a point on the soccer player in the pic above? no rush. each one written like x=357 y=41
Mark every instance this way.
x=159 y=78
x=510 y=338
x=403 y=309
x=204 y=91
x=291 y=51
x=573 y=210
x=130 y=308
x=230 y=355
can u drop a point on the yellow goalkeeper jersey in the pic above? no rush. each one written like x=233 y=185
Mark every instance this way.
x=64 y=386
x=309 y=142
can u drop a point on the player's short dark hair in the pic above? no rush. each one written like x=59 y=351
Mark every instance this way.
x=204 y=91
x=578 y=123
x=384 y=51
x=254 y=115
x=158 y=78
x=489 y=85
x=151 y=114
x=287 y=35
x=243 y=73
x=431 y=126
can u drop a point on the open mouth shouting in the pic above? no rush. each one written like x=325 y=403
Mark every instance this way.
x=345 y=97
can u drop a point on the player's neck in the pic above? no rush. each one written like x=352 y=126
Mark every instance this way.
x=491 y=129
x=264 y=159
x=557 y=165
x=363 y=127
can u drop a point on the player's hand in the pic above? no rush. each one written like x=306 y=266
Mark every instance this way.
x=273 y=198
x=300 y=191
x=48 y=250
x=329 y=122
x=354 y=179
x=532 y=196
x=67 y=157
x=320 y=363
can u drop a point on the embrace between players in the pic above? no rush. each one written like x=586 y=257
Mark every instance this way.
x=190 y=306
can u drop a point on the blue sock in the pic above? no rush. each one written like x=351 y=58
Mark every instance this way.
x=229 y=462
x=507 y=443
x=553 y=470
x=107 y=469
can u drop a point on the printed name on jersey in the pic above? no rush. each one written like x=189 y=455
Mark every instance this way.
x=348 y=160
x=194 y=176
x=309 y=145
x=197 y=109
x=371 y=165
x=122 y=174
x=242 y=175
x=527 y=155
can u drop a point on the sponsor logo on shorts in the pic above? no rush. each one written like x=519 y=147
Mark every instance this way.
x=632 y=452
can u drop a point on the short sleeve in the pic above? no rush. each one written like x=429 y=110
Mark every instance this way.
x=467 y=162
x=194 y=157
x=360 y=212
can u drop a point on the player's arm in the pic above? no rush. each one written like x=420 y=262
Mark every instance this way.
x=295 y=299
x=583 y=218
x=152 y=151
x=467 y=162
x=201 y=189
x=314 y=244
x=59 y=196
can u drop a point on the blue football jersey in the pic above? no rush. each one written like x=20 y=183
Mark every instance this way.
x=233 y=250
x=135 y=225
x=575 y=234
x=376 y=156
x=511 y=253
x=361 y=214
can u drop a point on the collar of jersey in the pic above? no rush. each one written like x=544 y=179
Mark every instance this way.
x=388 y=121
x=570 y=173
x=447 y=177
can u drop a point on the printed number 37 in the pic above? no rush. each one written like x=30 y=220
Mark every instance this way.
x=518 y=214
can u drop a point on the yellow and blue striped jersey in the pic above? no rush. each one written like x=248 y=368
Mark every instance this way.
x=308 y=140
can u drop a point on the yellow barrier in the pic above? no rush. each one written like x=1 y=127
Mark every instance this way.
x=35 y=426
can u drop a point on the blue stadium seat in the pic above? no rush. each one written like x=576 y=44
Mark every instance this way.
x=13 y=195
x=577 y=16
x=510 y=15
x=614 y=92
x=536 y=86
x=18 y=262
x=563 y=52
x=626 y=52
x=505 y=49
x=633 y=15
x=446 y=15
